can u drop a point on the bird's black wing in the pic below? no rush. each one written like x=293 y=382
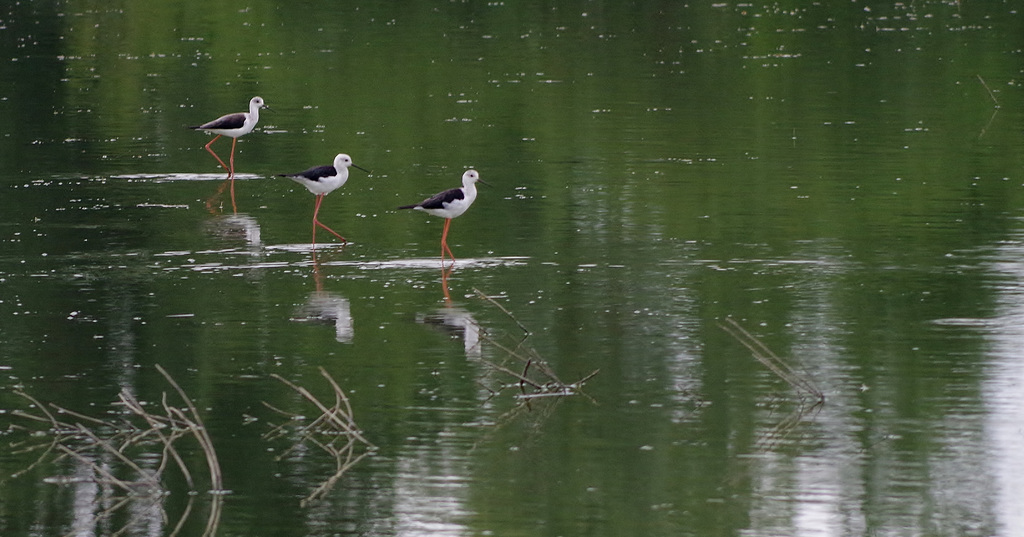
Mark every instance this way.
x=230 y=121
x=314 y=174
x=438 y=201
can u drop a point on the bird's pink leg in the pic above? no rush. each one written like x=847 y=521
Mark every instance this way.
x=218 y=158
x=231 y=174
x=444 y=242
x=316 y=211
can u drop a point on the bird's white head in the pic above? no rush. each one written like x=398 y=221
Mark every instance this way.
x=256 y=103
x=342 y=161
x=345 y=161
x=472 y=177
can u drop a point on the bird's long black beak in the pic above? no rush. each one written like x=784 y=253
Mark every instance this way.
x=481 y=181
x=361 y=168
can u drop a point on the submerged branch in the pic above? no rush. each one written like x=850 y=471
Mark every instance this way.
x=333 y=431
x=797 y=380
x=989 y=90
x=198 y=430
x=110 y=448
x=808 y=396
x=524 y=372
x=502 y=308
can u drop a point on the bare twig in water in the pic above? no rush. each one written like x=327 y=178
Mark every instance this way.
x=989 y=90
x=502 y=308
x=809 y=396
x=769 y=359
x=790 y=422
x=524 y=370
x=105 y=450
x=995 y=110
x=333 y=431
x=157 y=427
x=195 y=425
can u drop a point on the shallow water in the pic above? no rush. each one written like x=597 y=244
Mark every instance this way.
x=845 y=184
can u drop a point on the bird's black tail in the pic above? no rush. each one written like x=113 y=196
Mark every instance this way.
x=408 y=206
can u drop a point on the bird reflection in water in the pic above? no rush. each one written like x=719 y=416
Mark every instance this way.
x=232 y=126
x=214 y=205
x=326 y=307
x=456 y=320
x=237 y=227
x=444 y=284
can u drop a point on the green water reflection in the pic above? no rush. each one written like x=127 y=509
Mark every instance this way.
x=842 y=180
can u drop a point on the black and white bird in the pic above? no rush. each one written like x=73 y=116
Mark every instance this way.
x=322 y=180
x=233 y=126
x=450 y=204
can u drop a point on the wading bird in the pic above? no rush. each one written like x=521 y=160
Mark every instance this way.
x=233 y=126
x=322 y=180
x=450 y=204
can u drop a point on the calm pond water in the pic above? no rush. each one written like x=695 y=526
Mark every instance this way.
x=741 y=269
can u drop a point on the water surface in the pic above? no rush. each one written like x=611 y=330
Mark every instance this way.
x=842 y=182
